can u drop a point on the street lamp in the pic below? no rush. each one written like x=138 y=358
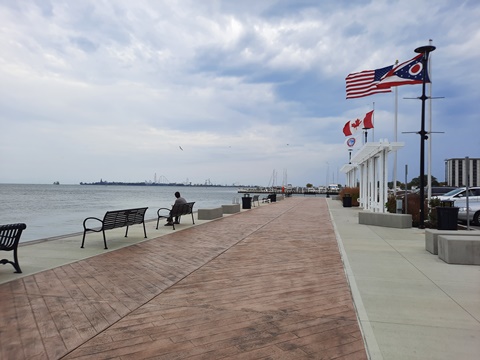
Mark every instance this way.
x=327 y=179
x=425 y=50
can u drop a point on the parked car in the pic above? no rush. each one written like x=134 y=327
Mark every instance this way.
x=473 y=213
x=461 y=194
x=441 y=190
x=436 y=190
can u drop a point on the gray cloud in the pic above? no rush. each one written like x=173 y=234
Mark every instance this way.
x=89 y=86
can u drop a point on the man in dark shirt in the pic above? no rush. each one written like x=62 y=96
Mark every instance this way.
x=178 y=201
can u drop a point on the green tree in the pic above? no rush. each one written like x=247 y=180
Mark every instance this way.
x=309 y=185
x=416 y=181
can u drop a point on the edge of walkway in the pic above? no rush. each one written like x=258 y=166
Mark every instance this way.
x=371 y=344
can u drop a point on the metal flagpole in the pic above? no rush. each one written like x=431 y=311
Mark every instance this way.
x=425 y=50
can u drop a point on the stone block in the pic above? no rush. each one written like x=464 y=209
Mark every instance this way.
x=231 y=208
x=210 y=214
x=458 y=249
x=431 y=237
x=401 y=221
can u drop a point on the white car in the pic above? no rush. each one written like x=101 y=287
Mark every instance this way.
x=461 y=194
x=473 y=211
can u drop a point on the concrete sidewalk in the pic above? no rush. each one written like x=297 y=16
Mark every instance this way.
x=409 y=304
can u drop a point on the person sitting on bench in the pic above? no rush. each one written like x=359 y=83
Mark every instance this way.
x=178 y=201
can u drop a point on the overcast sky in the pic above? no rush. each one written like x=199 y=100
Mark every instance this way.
x=225 y=92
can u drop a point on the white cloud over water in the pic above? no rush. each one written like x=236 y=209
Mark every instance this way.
x=109 y=90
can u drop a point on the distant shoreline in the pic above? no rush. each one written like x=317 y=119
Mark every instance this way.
x=155 y=184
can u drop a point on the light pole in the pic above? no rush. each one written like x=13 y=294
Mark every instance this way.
x=425 y=50
x=328 y=170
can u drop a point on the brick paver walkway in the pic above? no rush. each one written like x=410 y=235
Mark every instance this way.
x=263 y=284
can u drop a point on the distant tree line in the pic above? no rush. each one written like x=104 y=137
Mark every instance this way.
x=415 y=183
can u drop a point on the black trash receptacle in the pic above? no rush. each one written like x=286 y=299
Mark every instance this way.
x=273 y=197
x=347 y=200
x=246 y=202
x=447 y=217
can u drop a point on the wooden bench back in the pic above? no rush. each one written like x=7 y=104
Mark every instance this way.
x=120 y=218
x=182 y=209
x=10 y=235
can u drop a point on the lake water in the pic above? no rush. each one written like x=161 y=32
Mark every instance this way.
x=56 y=210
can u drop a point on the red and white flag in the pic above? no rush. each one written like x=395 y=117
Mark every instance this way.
x=351 y=127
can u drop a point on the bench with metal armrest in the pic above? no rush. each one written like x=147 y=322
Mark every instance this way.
x=116 y=219
x=175 y=212
x=9 y=238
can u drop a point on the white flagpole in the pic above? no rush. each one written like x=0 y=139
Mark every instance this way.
x=396 y=139
x=429 y=167
x=373 y=123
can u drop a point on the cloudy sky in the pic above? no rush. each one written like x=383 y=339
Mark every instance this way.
x=223 y=91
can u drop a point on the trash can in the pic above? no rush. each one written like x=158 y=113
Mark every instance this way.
x=447 y=216
x=273 y=197
x=246 y=201
x=347 y=200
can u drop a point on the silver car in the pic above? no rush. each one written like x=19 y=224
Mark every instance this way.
x=461 y=194
x=473 y=211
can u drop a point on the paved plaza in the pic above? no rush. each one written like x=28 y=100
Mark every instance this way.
x=295 y=279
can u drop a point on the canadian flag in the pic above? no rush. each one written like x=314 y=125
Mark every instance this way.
x=351 y=127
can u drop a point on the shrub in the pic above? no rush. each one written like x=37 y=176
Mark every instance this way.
x=354 y=192
x=413 y=204
x=432 y=212
x=391 y=204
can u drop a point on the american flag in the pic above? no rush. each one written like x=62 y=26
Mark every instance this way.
x=364 y=83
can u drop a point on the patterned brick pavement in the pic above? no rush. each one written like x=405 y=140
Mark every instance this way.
x=262 y=284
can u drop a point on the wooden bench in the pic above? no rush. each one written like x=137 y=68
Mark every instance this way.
x=9 y=239
x=116 y=219
x=175 y=211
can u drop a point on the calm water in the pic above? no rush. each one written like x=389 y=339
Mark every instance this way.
x=55 y=210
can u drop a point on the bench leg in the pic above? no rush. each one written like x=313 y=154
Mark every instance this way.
x=104 y=239
x=144 y=230
x=16 y=265
x=158 y=221
x=83 y=239
x=126 y=232
x=193 y=220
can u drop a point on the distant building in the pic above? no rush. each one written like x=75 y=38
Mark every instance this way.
x=456 y=172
